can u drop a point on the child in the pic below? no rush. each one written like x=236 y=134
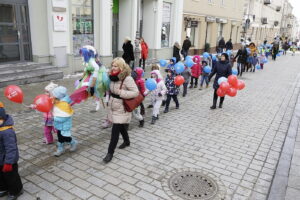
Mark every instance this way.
x=48 y=117
x=10 y=181
x=186 y=75
x=140 y=82
x=204 y=75
x=171 y=64
x=157 y=94
x=255 y=61
x=196 y=71
x=232 y=60
x=262 y=58
x=153 y=67
x=62 y=112
x=173 y=90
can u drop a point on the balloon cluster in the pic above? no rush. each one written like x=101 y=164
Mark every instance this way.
x=229 y=86
x=42 y=102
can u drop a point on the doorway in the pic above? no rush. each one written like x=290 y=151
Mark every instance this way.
x=15 y=44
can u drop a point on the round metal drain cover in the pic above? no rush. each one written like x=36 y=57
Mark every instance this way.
x=193 y=185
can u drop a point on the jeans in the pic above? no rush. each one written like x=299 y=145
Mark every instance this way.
x=144 y=62
x=174 y=97
x=240 y=68
x=11 y=181
x=192 y=81
x=204 y=78
x=185 y=86
x=184 y=53
x=115 y=133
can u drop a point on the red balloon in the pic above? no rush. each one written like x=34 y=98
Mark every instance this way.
x=232 y=80
x=221 y=92
x=224 y=86
x=43 y=103
x=232 y=92
x=14 y=93
x=240 y=85
x=179 y=80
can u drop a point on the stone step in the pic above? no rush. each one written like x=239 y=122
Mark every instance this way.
x=31 y=77
x=18 y=71
x=21 y=66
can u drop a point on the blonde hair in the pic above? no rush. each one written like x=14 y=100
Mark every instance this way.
x=124 y=67
x=155 y=67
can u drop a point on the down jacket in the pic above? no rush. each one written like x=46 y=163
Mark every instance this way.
x=116 y=111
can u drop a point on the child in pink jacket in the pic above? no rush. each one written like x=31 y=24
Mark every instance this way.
x=196 y=71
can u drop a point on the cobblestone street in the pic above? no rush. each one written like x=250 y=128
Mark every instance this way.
x=240 y=144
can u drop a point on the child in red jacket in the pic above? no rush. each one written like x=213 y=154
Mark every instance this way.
x=196 y=71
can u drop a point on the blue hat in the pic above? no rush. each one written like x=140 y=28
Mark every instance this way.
x=59 y=92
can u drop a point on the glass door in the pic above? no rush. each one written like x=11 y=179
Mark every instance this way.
x=15 y=42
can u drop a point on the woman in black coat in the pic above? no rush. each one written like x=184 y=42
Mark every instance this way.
x=128 y=55
x=242 y=55
x=176 y=50
x=222 y=69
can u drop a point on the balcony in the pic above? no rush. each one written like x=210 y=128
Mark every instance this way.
x=264 y=20
x=267 y=2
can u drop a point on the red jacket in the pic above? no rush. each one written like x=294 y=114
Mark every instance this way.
x=140 y=81
x=144 y=53
x=196 y=70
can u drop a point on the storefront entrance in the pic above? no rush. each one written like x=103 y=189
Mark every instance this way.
x=15 y=42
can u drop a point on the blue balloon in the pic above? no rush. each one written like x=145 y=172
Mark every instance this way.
x=179 y=67
x=163 y=63
x=189 y=58
x=234 y=71
x=278 y=55
x=258 y=67
x=189 y=63
x=265 y=60
x=228 y=52
x=207 y=69
x=151 y=84
x=221 y=80
x=214 y=57
x=205 y=55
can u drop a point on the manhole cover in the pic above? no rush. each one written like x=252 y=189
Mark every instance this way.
x=193 y=184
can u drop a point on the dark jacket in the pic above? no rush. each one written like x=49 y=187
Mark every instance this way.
x=172 y=88
x=186 y=45
x=222 y=69
x=242 y=55
x=9 y=153
x=176 y=53
x=128 y=52
x=228 y=45
x=222 y=43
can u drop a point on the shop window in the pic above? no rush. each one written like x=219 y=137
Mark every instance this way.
x=82 y=24
x=166 y=25
x=220 y=31
x=191 y=33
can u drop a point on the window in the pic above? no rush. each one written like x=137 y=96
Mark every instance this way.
x=191 y=33
x=220 y=31
x=82 y=23
x=166 y=23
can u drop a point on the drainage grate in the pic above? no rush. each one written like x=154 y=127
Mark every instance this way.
x=193 y=185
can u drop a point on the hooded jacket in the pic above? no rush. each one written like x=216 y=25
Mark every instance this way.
x=9 y=153
x=139 y=80
x=196 y=69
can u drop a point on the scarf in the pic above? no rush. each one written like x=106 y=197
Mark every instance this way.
x=114 y=76
x=4 y=128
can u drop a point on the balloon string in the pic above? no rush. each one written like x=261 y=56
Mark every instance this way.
x=27 y=106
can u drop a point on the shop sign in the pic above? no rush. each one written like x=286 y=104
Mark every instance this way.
x=210 y=19
x=194 y=23
x=60 y=22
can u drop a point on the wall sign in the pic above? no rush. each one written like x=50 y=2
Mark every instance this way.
x=60 y=22
x=194 y=23
x=59 y=5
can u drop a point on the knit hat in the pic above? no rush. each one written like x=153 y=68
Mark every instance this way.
x=2 y=112
x=50 y=87
x=59 y=92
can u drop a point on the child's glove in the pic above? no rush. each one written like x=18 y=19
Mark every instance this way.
x=159 y=94
x=7 y=168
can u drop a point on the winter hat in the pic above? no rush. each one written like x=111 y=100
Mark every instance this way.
x=204 y=61
x=2 y=112
x=197 y=59
x=139 y=71
x=226 y=56
x=59 y=92
x=50 y=87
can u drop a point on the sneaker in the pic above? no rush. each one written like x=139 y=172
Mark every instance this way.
x=73 y=145
x=213 y=107
x=141 y=125
x=108 y=158
x=60 y=149
x=124 y=145
x=166 y=110
x=14 y=197
x=153 y=120
x=97 y=106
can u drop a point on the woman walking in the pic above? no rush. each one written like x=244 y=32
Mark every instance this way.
x=242 y=56
x=222 y=69
x=176 y=50
x=144 y=53
x=128 y=55
x=122 y=86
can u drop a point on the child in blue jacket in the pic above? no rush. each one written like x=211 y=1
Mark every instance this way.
x=10 y=181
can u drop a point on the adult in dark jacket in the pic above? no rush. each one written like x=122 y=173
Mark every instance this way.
x=176 y=51
x=221 y=45
x=222 y=69
x=10 y=181
x=229 y=45
x=128 y=55
x=242 y=56
x=186 y=46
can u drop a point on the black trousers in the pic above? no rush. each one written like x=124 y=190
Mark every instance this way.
x=115 y=133
x=62 y=138
x=144 y=62
x=11 y=181
x=174 y=97
x=192 y=81
x=185 y=86
x=216 y=98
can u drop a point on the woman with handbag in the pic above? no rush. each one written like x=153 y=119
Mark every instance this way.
x=122 y=88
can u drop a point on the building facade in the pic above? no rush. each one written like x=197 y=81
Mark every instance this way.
x=206 y=21
x=53 y=31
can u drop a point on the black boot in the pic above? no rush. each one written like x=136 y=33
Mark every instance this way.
x=214 y=106
x=108 y=158
x=14 y=197
x=141 y=124
x=221 y=104
x=153 y=120
x=166 y=110
x=163 y=103
x=124 y=145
